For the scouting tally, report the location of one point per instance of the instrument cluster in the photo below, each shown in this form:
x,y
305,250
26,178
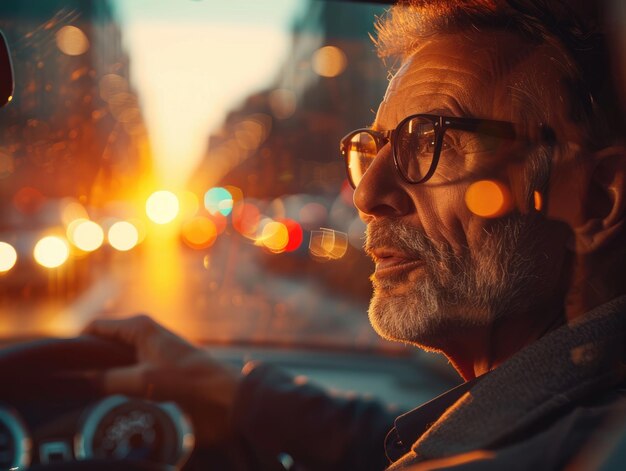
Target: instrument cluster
x,y
116,428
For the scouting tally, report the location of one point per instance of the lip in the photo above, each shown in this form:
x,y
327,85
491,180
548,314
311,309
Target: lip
x,y
389,262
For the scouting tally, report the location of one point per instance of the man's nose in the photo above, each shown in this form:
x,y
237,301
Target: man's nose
x,y
382,191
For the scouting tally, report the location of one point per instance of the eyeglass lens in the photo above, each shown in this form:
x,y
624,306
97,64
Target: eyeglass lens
x,y
414,150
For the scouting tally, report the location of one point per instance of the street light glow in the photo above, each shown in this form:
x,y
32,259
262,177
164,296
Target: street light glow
x,y
123,236
8,257
51,252
199,232
275,236
86,235
218,200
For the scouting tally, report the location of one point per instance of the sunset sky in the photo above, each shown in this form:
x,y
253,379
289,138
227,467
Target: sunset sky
x,y
192,61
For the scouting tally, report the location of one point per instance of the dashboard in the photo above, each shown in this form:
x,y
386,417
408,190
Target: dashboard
x,y
114,428
53,418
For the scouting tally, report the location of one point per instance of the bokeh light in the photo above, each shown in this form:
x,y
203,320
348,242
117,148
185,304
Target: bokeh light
x,y
246,218
123,236
276,209
218,200
51,251
329,61
295,234
111,85
235,193
162,207
72,41
274,237
488,198
249,134
328,244
220,222
282,102
199,232
538,200
72,211
86,235
125,107
8,257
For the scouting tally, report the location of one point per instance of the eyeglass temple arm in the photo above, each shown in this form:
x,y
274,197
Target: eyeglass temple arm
x,y
502,129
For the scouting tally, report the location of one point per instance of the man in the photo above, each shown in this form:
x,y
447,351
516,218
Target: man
x,y
493,187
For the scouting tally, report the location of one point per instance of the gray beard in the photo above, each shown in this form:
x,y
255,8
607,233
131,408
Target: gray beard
x,y
454,291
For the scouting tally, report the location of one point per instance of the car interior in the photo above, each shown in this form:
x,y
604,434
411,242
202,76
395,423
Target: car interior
x,y
181,159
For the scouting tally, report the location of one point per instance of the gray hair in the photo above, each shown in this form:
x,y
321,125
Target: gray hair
x,y
573,26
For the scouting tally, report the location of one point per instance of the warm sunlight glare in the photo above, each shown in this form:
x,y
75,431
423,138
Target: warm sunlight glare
x,y
162,207
189,204
192,62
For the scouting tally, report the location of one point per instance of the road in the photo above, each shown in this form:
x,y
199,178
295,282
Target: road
x,y
221,295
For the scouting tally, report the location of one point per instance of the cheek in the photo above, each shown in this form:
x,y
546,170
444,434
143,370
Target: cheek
x,y
444,217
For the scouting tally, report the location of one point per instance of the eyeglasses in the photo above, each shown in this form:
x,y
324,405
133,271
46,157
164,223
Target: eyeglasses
x,y
417,142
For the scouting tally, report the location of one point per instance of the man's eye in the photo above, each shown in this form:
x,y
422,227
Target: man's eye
x,y
430,145
447,144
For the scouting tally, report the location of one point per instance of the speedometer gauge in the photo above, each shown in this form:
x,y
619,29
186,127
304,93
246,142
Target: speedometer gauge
x,y
132,429
15,442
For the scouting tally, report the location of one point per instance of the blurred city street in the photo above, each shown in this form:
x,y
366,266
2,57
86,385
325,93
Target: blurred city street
x,y
118,175
222,295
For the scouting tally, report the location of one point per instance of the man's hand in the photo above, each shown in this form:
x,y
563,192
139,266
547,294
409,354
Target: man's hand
x,y
170,368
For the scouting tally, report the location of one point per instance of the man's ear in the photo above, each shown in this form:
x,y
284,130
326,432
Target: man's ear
x,y
604,205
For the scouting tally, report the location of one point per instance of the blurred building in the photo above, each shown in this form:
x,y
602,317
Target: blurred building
x,y
74,127
285,139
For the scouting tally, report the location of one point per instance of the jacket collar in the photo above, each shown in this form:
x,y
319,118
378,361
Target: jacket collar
x,y
553,372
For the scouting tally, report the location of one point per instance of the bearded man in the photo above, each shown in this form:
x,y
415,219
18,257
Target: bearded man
x,y
494,100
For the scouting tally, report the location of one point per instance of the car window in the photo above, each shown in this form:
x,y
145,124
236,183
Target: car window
x,y
181,158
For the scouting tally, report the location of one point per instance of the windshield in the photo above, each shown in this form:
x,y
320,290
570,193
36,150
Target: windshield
x,y
181,158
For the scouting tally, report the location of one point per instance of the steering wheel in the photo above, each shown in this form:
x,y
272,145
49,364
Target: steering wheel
x,y
51,365
78,353
42,370
50,370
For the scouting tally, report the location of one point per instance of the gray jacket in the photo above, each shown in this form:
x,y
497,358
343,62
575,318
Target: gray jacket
x,y
558,402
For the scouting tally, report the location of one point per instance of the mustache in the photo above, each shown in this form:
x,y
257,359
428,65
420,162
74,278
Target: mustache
x,y
394,234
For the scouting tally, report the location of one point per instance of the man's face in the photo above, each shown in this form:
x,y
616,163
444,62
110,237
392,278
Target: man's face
x,y
439,267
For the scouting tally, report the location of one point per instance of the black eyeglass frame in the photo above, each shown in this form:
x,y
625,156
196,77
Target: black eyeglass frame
x,y
542,134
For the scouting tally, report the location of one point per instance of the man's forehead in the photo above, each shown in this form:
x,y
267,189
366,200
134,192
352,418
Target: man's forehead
x,y
434,76
459,74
